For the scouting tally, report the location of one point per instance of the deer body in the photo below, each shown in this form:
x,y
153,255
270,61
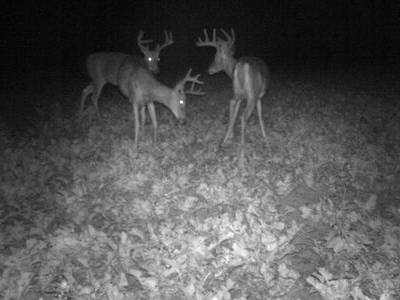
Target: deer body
x,y
140,86
250,79
134,77
103,67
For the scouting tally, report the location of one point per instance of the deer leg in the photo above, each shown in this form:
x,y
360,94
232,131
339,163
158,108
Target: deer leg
x,y
95,96
245,117
152,113
260,118
136,117
143,113
234,105
85,92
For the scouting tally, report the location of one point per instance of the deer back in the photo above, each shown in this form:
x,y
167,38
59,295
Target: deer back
x,y
104,66
250,75
128,73
135,79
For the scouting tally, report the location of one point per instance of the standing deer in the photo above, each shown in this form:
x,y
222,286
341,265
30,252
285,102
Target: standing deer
x,y
250,76
140,86
152,57
103,68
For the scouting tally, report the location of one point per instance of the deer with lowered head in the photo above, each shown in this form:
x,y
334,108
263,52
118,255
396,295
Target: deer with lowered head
x,y
140,86
103,68
135,78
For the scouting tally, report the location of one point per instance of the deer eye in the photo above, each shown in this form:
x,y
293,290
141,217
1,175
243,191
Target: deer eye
x,y
149,59
181,102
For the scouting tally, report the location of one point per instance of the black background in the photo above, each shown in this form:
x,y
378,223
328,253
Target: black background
x,y
322,34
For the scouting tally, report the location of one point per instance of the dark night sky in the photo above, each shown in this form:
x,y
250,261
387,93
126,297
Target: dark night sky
x,y
326,32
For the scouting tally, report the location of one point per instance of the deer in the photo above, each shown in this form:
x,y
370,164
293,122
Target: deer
x,y
152,57
140,86
250,79
103,68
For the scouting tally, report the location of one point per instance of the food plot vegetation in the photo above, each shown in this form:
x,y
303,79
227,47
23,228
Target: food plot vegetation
x,y
313,213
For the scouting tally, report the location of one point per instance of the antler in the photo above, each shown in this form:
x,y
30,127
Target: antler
x,y
207,41
192,91
168,41
230,39
141,43
193,79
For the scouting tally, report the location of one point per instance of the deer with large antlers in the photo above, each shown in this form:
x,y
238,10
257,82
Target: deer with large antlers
x,y
152,57
140,86
250,77
104,66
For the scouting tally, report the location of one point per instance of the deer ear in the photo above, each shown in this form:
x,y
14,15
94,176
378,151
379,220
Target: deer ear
x,y
179,88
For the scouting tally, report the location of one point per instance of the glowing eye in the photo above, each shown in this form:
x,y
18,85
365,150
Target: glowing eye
x,y
149,59
181,102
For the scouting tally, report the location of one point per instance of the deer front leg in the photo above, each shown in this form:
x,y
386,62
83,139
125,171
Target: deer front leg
x,y
152,113
136,117
85,93
95,96
143,113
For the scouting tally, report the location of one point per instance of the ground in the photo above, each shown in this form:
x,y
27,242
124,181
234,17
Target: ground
x,y
311,213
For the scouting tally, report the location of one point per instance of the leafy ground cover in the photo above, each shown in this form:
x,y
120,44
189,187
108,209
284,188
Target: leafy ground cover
x,y
314,213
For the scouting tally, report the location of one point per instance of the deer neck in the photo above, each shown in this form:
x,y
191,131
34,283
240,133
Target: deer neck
x,y
161,94
229,65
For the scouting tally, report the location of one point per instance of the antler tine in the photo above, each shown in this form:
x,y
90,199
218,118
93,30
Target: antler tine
x,y
192,78
230,40
141,42
192,91
199,41
168,40
140,35
207,41
233,35
168,36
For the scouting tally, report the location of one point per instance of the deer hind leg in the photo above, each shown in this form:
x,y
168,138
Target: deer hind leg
x,y
260,118
245,117
85,93
234,105
95,96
